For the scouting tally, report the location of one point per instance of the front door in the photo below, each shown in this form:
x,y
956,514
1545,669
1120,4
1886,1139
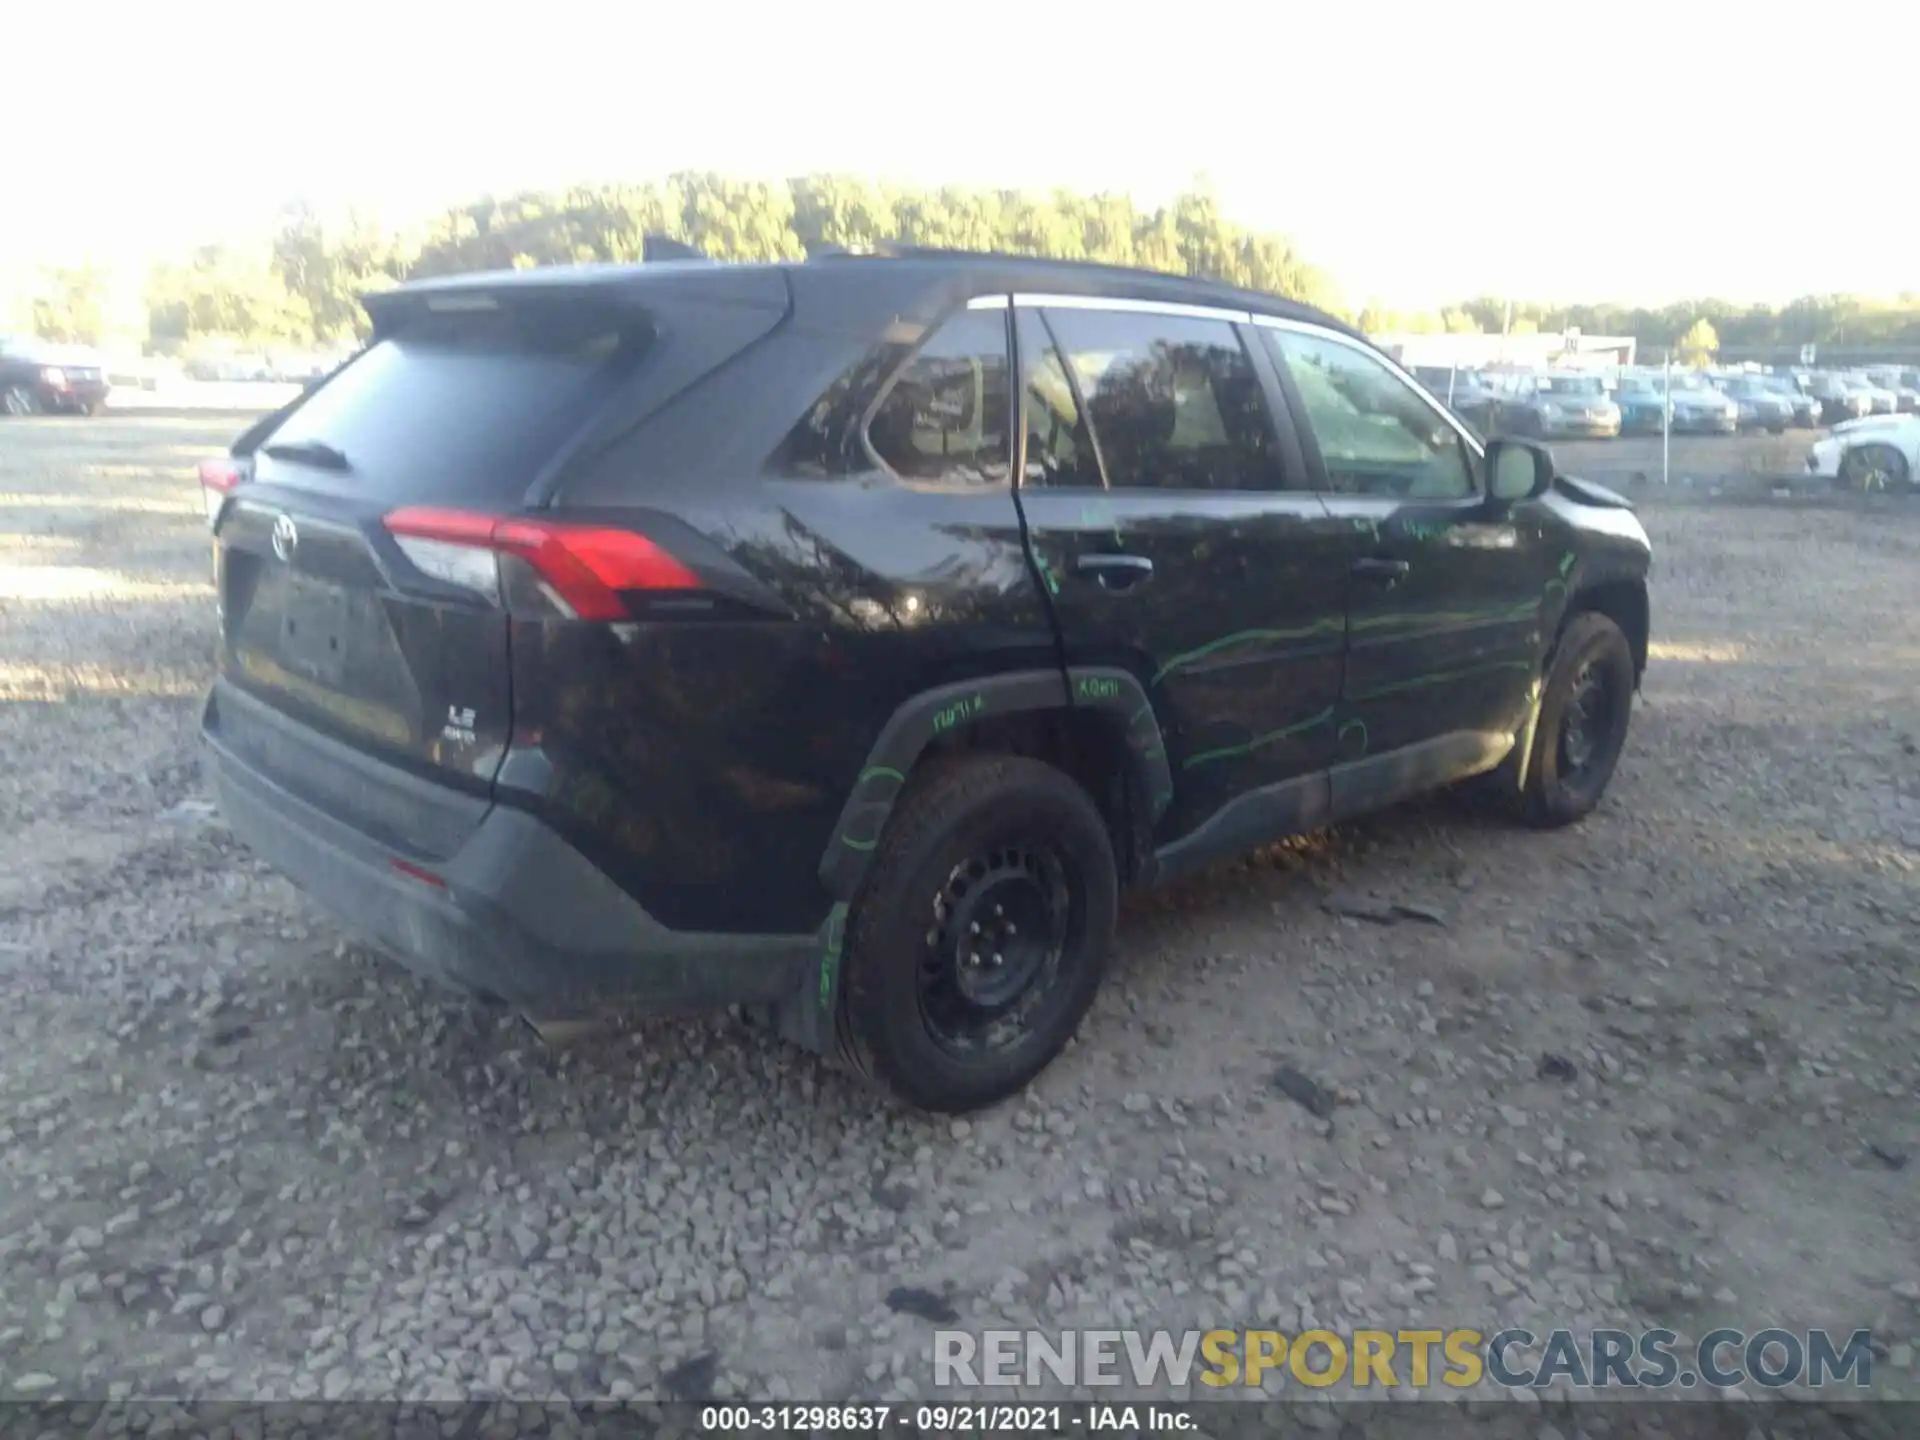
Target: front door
x,y
1446,596
1173,532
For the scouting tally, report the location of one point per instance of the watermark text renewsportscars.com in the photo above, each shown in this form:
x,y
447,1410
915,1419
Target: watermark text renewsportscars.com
x,y
1374,1360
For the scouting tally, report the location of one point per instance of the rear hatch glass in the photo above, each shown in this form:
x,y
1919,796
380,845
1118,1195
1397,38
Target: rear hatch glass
x,y
322,618
465,406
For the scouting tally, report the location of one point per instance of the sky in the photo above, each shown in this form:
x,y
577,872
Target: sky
x,y
1418,152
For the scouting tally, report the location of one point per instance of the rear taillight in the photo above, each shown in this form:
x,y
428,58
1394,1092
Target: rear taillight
x,y
580,569
218,480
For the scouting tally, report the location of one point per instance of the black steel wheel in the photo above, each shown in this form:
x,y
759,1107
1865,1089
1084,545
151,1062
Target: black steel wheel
x,y
1586,705
980,935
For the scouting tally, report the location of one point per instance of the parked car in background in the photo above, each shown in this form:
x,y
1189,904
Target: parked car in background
x,y
1699,409
1642,399
1564,405
1806,409
1476,397
1877,453
40,378
1761,407
1880,400
1902,383
1839,401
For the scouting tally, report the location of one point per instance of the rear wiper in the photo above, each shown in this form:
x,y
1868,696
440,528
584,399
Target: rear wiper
x,y
309,452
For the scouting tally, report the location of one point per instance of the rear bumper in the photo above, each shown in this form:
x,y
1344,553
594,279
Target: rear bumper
x,y
516,912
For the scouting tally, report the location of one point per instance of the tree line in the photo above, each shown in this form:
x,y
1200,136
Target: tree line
x,y
303,287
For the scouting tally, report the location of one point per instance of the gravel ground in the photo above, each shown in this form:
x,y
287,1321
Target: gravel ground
x,y
246,1158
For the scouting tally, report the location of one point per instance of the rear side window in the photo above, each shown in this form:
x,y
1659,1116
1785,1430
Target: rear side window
x,y
467,406
1173,401
944,417
1059,450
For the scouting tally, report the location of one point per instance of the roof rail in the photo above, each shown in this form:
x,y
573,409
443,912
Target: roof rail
x,y
655,248
901,250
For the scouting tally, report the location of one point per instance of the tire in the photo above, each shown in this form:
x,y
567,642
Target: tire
x,y
1556,792
1874,467
976,839
19,402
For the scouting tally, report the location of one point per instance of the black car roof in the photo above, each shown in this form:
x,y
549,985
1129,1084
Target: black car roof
x,y
832,290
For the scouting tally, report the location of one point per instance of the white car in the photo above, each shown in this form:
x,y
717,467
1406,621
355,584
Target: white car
x,y
1881,452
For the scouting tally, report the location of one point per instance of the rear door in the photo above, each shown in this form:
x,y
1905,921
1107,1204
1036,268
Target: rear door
x,y
327,616
1445,597
1171,526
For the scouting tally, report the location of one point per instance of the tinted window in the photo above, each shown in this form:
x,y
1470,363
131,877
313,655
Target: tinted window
x,y
1059,451
468,405
1377,435
945,416
1173,402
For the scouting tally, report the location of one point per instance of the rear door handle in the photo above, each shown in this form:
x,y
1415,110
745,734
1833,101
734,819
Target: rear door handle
x,y
1375,568
1115,572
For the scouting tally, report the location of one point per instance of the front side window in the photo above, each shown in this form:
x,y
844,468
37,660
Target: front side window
x,y
1173,401
1377,435
944,418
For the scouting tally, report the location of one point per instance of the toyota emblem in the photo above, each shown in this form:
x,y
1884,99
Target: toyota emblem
x,y
286,538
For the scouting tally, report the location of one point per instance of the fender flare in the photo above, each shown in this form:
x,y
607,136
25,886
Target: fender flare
x,y
951,709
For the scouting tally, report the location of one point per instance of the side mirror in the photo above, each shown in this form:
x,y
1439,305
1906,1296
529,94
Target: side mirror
x,y
1518,470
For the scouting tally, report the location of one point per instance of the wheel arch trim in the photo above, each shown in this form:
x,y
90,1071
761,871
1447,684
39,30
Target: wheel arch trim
x,y
955,708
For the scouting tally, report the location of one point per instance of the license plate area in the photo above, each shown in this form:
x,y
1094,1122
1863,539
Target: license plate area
x,y
317,625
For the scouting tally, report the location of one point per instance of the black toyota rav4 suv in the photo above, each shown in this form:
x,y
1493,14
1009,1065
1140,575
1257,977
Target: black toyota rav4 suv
x,y
840,637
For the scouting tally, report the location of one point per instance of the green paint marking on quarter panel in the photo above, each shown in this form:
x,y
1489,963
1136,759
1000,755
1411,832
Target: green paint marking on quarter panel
x,y
1566,562
1226,752
853,844
1340,735
887,770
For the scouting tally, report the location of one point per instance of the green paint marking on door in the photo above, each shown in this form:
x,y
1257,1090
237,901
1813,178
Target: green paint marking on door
x,y
1519,610
1566,562
853,844
1441,677
830,957
1246,637
1046,571
1227,752
1340,735
880,770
